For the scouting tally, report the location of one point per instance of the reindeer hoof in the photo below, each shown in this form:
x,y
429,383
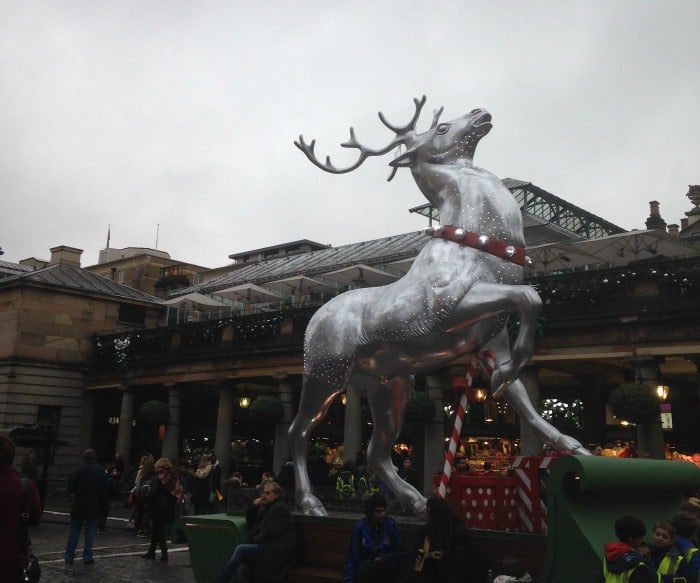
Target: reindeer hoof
x,y
419,506
316,511
568,443
311,506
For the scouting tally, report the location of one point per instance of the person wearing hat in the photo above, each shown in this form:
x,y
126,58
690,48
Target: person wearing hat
x,y
89,489
375,552
12,551
511,571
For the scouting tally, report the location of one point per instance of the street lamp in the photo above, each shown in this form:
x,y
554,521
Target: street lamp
x,y
662,392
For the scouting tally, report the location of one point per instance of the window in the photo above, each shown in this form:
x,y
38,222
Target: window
x,y
132,314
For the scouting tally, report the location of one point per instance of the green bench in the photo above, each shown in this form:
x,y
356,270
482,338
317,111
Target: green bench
x,y
211,539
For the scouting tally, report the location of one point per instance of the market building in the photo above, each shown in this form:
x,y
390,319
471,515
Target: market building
x,y
122,370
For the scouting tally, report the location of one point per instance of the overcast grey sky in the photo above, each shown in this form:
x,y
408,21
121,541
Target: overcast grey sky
x,y
183,114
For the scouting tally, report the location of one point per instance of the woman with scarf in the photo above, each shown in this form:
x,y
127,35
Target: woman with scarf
x,y
165,493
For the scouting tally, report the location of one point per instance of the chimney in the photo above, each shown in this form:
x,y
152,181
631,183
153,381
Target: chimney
x,y
694,196
64,255
655,221
673,230
684,224
34,263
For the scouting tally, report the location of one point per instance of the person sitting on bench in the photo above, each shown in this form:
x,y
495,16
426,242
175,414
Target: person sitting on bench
x,y
270,555
375,551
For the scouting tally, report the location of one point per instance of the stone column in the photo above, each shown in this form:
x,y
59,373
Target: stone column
x,y
87,424
530,444
281,451
433,445
352,434
126,424
650,436
696,361
171,440
593,408
224,426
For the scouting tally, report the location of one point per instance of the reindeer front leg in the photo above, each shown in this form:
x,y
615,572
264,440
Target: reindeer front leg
x,y
516,395
486,300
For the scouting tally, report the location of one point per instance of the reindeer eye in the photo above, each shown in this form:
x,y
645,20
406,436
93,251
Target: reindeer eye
x,y
443,128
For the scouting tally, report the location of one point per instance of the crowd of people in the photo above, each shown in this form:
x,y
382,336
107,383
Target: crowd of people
x,y
672,556
438,551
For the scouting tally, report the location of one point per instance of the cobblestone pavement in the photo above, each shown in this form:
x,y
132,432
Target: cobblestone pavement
x,y
117,552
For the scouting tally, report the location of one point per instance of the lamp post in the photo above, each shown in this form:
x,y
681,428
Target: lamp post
x,y
662,392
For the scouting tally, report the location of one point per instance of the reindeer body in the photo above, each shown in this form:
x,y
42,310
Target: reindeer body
x,y
453,301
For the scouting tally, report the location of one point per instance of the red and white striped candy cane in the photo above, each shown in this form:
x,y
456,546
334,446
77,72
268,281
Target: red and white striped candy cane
x,y
486,358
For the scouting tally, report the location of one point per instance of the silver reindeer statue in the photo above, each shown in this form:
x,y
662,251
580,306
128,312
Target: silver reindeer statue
x,y
453,301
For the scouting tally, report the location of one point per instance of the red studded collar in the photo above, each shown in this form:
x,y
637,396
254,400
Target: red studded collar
x,y
485,243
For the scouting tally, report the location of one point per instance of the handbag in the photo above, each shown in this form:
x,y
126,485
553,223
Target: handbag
x,y
31,570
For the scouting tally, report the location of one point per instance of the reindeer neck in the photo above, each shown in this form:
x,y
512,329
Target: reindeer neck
x,y
472,198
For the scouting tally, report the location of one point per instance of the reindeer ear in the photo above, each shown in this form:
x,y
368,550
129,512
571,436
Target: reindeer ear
x,y
405,160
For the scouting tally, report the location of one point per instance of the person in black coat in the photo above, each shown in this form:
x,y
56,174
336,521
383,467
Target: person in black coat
x,y
442,554
165,494
88,485
270,555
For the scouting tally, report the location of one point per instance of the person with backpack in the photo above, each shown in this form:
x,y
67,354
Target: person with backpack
x,y
13,544
139,516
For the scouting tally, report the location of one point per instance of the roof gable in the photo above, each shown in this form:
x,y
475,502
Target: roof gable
x,y
70,277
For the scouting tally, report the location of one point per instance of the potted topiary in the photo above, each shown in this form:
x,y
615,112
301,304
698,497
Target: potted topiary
x,y
420,408
634,402
154,413
267,409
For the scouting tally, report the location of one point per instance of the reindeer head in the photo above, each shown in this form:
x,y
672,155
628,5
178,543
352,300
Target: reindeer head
x,y
446,142
442,143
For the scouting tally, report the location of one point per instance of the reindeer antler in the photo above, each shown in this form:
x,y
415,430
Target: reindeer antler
x,y
402,133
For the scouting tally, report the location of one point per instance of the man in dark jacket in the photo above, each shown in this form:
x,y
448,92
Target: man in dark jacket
x,y
11,548
88,485
270,556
